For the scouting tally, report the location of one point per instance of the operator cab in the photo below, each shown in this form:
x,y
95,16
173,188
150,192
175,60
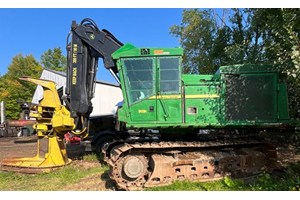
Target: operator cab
x,y
150,77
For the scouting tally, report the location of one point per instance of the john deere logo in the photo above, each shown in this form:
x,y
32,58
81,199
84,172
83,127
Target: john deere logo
x,y
92,36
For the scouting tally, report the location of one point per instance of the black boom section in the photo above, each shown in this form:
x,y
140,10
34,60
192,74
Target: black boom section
x,y
80,80
87,45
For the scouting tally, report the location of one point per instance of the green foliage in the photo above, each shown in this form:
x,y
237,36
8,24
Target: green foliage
x,y
12,89
209,44
231,183
196,33
280,30
54,59
288,181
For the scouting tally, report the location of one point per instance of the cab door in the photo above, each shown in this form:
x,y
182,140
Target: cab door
x,y
169,98
139,76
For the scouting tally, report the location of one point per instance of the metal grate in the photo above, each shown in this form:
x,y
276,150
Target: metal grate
x,y
250,97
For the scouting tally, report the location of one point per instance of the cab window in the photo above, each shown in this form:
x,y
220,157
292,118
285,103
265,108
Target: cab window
x,y
169,74
139,78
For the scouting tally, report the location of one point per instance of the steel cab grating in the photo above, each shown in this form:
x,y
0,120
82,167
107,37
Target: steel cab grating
x,y
250,97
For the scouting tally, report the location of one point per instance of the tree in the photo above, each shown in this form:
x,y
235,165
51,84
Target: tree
x,y
12,89
281,45
54,59
208,41
265,36
197,33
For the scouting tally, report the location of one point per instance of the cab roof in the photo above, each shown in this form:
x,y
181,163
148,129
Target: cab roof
x,y
128,50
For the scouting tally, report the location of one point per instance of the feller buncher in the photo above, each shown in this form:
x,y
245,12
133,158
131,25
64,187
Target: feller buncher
x,y
171,126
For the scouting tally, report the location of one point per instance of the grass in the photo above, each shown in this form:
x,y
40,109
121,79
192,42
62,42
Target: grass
x,y
90,157
55,181
288,180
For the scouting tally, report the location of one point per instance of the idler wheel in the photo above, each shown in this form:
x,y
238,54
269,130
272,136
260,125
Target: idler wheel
x,y
131,172
134,166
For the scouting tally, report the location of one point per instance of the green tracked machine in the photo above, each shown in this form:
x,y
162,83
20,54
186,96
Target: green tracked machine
x,y
208,125
174,126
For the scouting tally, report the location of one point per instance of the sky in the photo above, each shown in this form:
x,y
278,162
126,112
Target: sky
x,y
34,31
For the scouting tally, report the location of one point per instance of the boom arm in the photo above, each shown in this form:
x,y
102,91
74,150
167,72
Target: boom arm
x,y
87,45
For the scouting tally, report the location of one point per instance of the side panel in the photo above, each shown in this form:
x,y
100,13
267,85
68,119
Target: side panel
x,y
202,105
144,110
169,109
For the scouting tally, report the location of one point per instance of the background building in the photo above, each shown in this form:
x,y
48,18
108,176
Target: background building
x,y
107,95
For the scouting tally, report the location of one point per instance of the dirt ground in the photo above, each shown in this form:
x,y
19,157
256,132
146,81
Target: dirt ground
x,y
9,149
27,148
98,182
